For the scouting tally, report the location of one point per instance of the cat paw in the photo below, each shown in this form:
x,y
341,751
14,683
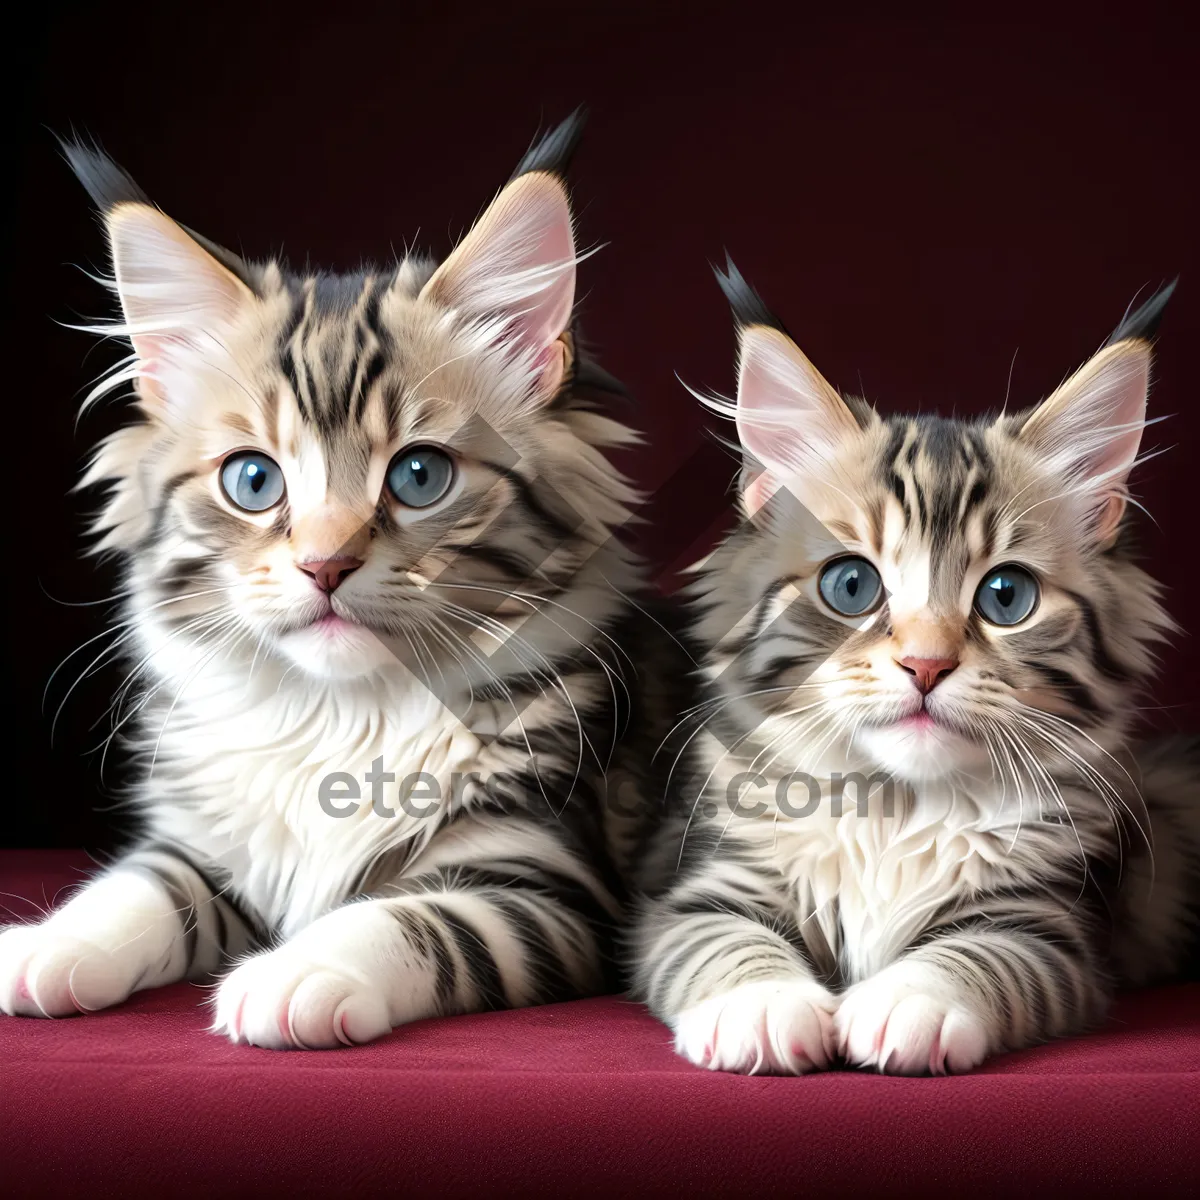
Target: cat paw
x,y
284,1000
48,974
901,1024
774,1027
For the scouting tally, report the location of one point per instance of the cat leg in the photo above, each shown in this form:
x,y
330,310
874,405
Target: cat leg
x,y
498,914
151,919
714,964
995,982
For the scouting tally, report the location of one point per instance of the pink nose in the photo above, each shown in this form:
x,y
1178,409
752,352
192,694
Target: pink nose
x,y
927,673
330,574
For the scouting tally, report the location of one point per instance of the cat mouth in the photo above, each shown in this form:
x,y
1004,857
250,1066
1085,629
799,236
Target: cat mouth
x,y
926,724
330,621
921,721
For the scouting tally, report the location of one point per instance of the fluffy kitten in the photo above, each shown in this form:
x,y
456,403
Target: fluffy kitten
x,y
372,599
940,618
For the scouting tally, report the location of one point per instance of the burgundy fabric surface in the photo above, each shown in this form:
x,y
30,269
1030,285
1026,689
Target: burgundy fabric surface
x,y
569,1099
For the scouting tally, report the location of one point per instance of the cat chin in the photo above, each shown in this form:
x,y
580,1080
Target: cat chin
x,y
919,757
349,652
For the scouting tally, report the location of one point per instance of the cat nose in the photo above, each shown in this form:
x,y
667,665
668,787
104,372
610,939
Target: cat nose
x,y
329,574
927,673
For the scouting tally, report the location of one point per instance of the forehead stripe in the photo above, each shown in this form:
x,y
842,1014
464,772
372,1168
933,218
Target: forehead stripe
x,y
291,363
370,339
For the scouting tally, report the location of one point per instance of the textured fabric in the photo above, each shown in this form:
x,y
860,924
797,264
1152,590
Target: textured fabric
x,y
569,1099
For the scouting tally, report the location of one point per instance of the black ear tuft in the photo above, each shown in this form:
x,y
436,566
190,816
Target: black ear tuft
x,y
747,304
1143,322
552,152
109,185
106,183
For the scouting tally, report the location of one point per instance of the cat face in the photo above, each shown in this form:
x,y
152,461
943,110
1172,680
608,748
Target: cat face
x,y
335,470
950,596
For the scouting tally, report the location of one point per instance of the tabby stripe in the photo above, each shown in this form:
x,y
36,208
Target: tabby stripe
x,y
776,667
432,943
481,966
506,562
292,358
1100,655
366,375
1073,689
552,980
217,883
526,495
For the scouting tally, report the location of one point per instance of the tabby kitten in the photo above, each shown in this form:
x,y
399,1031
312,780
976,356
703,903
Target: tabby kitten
x,y
941,620
371,589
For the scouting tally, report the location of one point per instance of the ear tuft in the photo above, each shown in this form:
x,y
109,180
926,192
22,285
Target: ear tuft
x,y
1144,321
108,184
553,151
748,306
104,181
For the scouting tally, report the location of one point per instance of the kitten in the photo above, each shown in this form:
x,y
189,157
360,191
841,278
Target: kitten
x,y
373,601
910,796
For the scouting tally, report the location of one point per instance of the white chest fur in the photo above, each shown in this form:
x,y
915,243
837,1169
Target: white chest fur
x,y
240,768
870,882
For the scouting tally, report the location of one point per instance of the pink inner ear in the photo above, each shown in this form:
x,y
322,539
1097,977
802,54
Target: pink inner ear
x,y
147,384
517,264
788,416
551,313
1108,517
758,492
550,365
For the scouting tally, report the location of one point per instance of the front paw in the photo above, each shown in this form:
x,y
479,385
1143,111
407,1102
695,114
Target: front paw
x,y
48,974
284,1000
774,1027
911,1021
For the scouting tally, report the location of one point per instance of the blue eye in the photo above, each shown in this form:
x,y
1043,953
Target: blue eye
x,y
1007,596
252,481
420,476
850,586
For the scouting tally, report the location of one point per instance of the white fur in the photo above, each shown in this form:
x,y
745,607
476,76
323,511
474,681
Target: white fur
x,y
117,934
781,1027
908,1020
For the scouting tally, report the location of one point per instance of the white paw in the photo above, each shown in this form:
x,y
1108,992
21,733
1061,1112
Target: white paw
x,y
910,1022
776,1027
283,999
48,974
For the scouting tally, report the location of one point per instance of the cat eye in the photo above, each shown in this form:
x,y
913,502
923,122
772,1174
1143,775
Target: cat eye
x,y
252,481
850,586
420,475
1007,596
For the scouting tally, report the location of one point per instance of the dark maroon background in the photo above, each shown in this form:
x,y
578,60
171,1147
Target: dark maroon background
x,y
918,199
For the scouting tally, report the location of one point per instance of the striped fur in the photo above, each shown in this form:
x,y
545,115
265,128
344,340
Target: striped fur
x,y
954,894
479,643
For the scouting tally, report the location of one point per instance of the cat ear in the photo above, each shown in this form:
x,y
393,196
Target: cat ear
x,y
1089,431
516,267
178,291
175,295
788,417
